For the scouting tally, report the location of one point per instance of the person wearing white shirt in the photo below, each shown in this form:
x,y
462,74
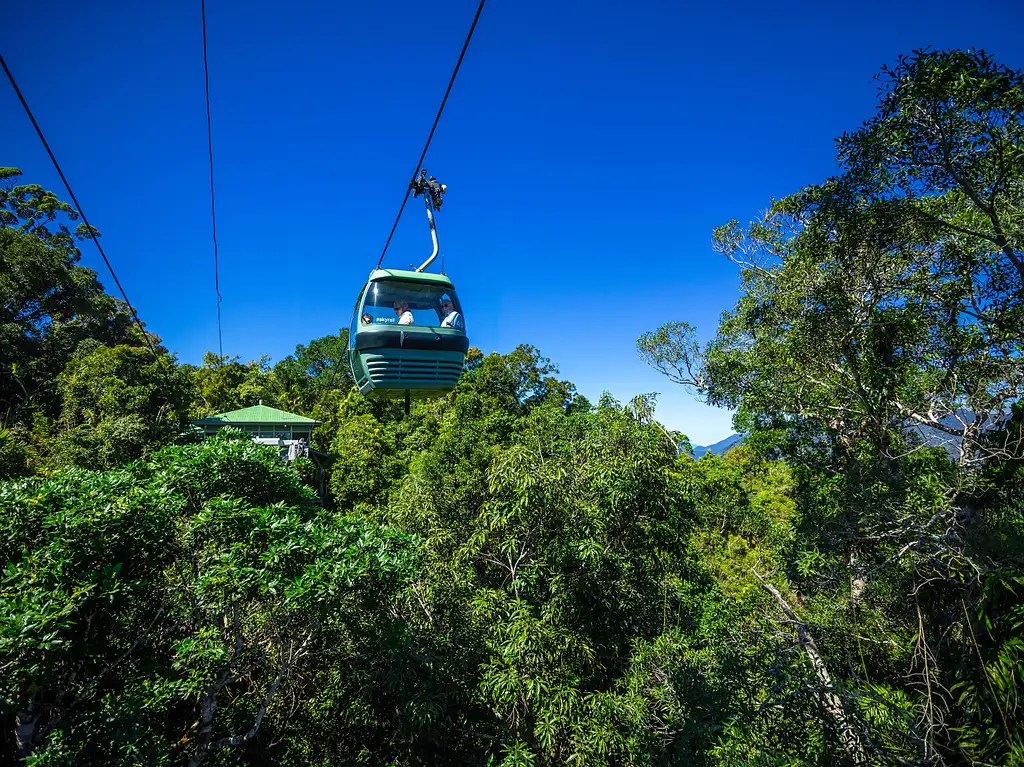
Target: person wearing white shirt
x,y
452,319
404,315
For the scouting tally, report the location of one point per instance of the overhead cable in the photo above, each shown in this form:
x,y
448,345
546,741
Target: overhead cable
x,y
213,197
437,119
78,207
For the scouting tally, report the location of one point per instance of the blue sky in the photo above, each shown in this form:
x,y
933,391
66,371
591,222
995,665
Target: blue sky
x,y
589,149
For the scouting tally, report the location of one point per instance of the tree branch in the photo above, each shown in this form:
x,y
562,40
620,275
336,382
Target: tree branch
x,y
831,702
286,661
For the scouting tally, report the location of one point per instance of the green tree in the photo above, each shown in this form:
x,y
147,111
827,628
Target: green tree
x,y
117,403
365,462
224,384
13,458
546,620
176,610
306,377
48,303
881,314
945,148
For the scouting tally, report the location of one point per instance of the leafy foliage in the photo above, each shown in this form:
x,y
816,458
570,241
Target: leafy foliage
x,y
117,402
877,346
159,610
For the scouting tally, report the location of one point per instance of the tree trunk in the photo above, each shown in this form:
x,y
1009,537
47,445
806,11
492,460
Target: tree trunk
x,y
829,700
207,709
25,725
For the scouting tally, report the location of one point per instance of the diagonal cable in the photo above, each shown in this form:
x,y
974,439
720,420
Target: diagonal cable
x,y
437,119
213,197
88,226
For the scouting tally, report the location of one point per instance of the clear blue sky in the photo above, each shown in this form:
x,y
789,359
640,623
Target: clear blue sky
x,y
589,148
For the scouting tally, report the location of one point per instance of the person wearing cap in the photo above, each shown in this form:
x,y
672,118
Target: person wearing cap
x,y
452,319
404,315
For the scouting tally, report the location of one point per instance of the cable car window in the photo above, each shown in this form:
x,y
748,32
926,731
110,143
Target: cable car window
x,y
387,301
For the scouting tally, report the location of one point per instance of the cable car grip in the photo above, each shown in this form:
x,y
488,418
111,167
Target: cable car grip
x,y
432,190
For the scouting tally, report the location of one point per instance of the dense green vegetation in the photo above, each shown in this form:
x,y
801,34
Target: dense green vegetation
x,y
514,575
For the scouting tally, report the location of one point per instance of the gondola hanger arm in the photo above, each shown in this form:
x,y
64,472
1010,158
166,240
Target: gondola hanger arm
x,y
432,191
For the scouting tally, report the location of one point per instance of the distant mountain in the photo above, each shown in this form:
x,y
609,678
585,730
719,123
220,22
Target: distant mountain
x,y
930,436
719,448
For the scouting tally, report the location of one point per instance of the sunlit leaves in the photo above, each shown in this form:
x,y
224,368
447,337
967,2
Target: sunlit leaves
x,y
877,347
194,581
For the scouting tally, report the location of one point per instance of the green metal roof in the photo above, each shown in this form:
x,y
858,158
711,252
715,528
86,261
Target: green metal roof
x,y
255,414
406,274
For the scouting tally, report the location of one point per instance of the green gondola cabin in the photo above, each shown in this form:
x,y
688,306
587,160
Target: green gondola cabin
x,y
408,336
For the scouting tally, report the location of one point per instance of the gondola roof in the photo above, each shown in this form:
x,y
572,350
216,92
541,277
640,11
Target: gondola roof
x,y
410,276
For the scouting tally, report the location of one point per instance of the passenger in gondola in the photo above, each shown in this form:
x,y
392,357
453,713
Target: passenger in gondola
x,y
452,319
404,315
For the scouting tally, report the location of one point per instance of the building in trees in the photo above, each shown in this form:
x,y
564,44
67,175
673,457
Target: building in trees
x,y
264,423
271,426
